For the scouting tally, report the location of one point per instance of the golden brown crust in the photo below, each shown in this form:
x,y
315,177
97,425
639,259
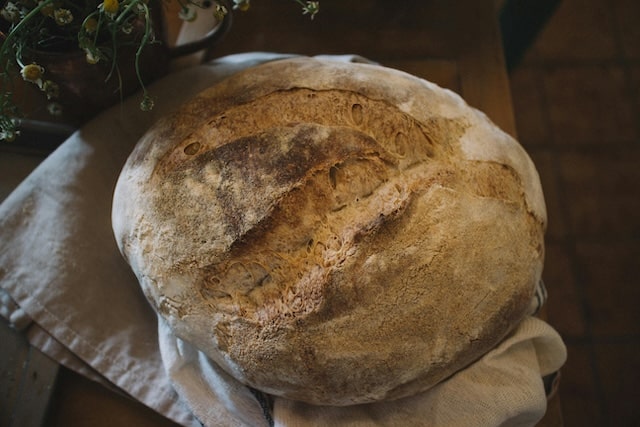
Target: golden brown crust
x,y
333,233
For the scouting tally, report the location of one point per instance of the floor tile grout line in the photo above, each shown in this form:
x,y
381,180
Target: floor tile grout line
x,y
623,62
634,92
570,247
617,35
550,64
617,32
601,340
626,63
635,98
573,238
604,338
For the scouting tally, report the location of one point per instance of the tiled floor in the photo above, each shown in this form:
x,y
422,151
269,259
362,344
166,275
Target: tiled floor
x,y
577,106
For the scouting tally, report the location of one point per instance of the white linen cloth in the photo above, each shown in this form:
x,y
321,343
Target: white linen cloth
x,y
64,282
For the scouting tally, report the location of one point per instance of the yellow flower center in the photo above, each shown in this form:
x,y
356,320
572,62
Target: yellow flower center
x,y
111,6
32,72
62,16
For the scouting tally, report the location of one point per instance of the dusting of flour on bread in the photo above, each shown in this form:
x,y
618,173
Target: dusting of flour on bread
x,y
334,233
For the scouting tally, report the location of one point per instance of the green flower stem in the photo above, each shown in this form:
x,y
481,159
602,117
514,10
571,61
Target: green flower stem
x,y
8,41
108,28
7,109
124,14
143,43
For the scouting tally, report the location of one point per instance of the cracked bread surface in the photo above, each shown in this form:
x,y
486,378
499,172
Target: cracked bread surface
x,y
331,232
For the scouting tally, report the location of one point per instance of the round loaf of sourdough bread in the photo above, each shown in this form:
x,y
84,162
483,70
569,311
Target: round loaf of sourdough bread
x,y
330,232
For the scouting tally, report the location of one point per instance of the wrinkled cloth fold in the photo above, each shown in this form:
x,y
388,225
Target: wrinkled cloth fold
x,y
503,388
64,283
63,279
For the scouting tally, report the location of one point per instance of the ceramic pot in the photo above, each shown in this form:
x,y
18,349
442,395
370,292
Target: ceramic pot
x,y
86,89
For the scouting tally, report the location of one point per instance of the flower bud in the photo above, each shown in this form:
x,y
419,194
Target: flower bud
x,y
32,73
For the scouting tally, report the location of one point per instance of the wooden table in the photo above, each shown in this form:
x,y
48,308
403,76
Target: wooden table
x,y
455,44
